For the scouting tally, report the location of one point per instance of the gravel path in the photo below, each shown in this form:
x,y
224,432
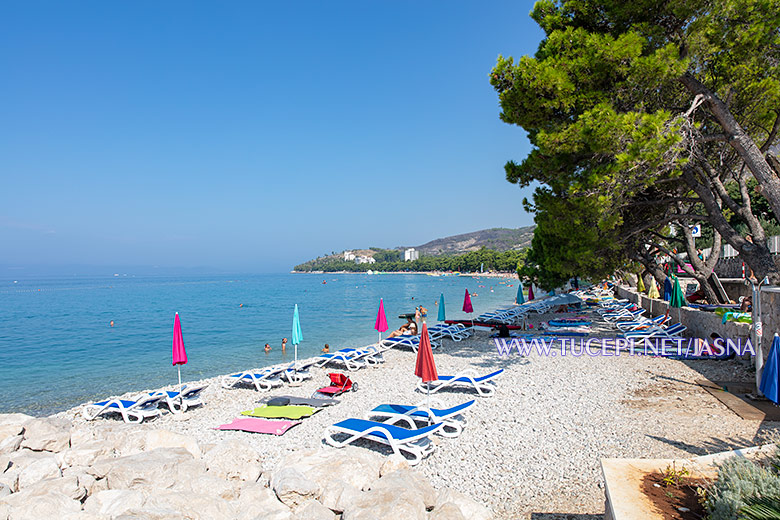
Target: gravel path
x,y
535,446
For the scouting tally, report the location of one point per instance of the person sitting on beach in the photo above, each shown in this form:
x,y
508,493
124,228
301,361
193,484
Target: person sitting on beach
x,y
407,329
747,304
267,347
326,348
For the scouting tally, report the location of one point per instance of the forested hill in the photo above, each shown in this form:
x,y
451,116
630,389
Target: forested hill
x,y
497,239
497,248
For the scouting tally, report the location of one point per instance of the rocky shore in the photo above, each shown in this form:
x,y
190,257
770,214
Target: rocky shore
x,y
532,450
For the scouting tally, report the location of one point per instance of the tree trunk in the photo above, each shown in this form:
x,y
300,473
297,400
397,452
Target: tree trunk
x,y
740,141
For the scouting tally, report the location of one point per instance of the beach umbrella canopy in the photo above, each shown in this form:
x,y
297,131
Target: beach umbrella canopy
x,y
530,292
677,298
425,367
667,289
381,319
520,299
467,303
770,386
653,291
179,352
640,284
297,335
442,313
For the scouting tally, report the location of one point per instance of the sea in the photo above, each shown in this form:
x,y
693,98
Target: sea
x,y
59,348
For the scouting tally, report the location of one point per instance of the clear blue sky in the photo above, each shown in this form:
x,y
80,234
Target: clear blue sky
x,y
250,136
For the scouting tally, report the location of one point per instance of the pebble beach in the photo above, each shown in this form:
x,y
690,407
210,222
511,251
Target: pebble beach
x,y
531,450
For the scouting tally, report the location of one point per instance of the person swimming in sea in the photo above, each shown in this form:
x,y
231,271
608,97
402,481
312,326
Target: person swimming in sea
x,y
267,348
284,344
326,348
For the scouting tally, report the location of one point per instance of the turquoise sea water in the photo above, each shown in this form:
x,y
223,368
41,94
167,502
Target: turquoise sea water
x,y
58,350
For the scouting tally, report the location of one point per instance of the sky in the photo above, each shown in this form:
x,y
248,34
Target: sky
x,y
251,136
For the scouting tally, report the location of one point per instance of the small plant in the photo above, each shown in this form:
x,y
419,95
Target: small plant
x,y
672,477
740,483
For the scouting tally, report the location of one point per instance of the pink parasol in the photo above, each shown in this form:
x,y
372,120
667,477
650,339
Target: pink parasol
x,y
467,303
381,319
179,353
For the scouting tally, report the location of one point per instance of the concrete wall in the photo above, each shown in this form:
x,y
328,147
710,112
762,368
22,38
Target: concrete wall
x,y
700,323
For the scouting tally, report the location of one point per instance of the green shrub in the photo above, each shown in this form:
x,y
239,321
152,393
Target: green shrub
x,y
739,481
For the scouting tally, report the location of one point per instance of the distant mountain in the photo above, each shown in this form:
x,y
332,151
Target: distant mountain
x,y
498,239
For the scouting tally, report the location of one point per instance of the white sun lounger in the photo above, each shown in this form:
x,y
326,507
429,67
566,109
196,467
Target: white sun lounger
x,y
262,381
409,416
484,385
417,443
132,411
188,397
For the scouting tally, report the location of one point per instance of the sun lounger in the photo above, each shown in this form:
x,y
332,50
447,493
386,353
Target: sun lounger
x,y
409,416
302,401
132,411
408,341
281,412
642,323
670,332
456,331
262,381
259,426
417,443
339,383
353,359
296,374
482,384
188,397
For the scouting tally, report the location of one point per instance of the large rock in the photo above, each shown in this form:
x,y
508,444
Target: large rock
x,y
257,501
24,505
358,468
313,510
337,494
292,487
408,481
448,511
468,507
68,486
393,463
386,503
217,488
41,469
47,434
190,505
85,454
233,460
12,424
114,502
160,468
167,439
10,444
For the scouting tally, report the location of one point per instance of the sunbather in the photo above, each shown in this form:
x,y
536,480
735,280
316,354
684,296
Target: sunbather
x,y
407,329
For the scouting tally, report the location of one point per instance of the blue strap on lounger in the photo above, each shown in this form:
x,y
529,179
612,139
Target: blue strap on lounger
x,y
403,409
396,432
467,380
125,403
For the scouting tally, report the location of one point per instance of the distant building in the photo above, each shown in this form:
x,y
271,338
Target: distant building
x,y
364,260
349,256
411,255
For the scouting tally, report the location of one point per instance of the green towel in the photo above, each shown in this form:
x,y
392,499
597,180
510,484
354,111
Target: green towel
x,y
281,412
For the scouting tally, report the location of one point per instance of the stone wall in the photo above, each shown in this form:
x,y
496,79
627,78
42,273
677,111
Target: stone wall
x,y
700,323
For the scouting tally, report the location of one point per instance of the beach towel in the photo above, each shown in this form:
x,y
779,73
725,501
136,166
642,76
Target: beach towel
x,y
297,401
281,412
259,426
